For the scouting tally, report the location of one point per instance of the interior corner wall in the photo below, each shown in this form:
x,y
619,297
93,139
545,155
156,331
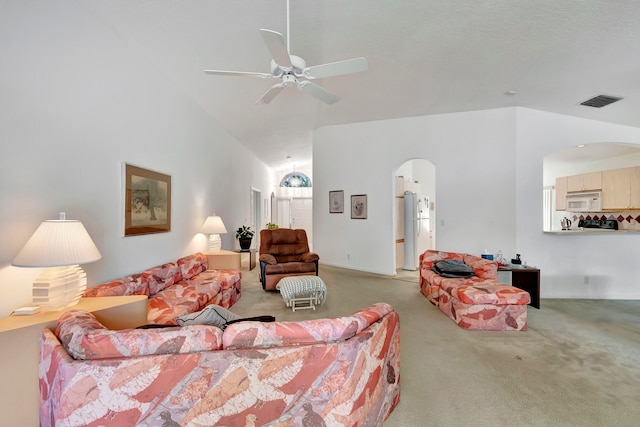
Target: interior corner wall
x,y
78,101
601,266
473,153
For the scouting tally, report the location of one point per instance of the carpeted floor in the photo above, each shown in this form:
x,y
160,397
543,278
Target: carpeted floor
x,y
577,365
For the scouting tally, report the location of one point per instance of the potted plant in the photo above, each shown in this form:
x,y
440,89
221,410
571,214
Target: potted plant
x,y
244,235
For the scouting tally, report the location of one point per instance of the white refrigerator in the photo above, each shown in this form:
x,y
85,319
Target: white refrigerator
x,y
416,229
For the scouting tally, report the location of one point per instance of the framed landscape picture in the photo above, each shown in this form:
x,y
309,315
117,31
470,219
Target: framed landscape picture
x,y
336,201
147,201
359,206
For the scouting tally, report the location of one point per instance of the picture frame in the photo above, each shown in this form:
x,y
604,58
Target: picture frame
x,y
359,206
147,201
336,201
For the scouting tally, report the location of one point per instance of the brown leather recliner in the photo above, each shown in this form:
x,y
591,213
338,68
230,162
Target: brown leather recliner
x,y
285,252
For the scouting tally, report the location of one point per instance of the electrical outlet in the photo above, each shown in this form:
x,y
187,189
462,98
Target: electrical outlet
x,y
348,256
586,280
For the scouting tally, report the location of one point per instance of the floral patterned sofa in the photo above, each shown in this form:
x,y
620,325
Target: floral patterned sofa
x,y
176,288
479,302
341,371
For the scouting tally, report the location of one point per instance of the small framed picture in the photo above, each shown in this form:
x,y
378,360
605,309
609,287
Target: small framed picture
x,y
336,201
359,206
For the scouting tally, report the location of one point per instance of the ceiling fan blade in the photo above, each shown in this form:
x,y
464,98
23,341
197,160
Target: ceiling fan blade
x,y
278,48
318,92
349,66
239,73
268,96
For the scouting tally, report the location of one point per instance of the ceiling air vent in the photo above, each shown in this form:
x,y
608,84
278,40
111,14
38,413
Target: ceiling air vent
x,y
600,101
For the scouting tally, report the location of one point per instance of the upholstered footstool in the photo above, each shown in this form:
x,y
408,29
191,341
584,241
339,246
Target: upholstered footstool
x,y
300,292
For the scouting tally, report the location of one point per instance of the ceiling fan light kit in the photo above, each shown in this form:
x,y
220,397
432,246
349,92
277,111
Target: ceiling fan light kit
x,y
293,70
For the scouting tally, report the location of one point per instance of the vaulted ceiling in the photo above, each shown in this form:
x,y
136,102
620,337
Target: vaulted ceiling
x,y
425,57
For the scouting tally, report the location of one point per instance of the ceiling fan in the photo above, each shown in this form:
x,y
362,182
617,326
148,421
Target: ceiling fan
x,y
292,70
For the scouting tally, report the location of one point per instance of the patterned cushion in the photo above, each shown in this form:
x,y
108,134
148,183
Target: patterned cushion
x,y
492,293
161,277
192,265
262,335
171,303
84,337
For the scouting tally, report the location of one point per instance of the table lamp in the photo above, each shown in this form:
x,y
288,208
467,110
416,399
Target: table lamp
x,y
214,227
59,246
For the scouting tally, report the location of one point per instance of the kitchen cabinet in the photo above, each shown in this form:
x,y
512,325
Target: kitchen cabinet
x,y
621,188
584,182
561,193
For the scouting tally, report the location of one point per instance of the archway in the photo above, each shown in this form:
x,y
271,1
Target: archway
x,y
414,212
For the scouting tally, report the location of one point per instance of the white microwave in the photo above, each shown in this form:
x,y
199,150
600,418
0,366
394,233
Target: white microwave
x,y
584,202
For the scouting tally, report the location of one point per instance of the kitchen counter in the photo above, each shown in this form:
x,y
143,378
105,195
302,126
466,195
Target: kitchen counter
x,y
591,231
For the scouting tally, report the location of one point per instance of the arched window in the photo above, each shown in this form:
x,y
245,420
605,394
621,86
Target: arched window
x,y
295,179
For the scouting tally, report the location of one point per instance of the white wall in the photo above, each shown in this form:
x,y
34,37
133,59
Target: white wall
x,y
608,261
473,155
489,179
76,101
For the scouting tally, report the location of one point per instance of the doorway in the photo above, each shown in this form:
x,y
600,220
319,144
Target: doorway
x,y
414,212
295,212
256,216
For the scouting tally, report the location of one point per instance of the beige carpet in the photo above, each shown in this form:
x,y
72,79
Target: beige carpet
x,y
577,365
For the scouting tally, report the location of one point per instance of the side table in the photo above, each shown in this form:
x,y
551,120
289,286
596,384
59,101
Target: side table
x,y
252,256
525,278
223,260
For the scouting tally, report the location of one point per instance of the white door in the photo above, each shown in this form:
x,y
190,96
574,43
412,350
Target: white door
x,y
282,215
302,216
256,212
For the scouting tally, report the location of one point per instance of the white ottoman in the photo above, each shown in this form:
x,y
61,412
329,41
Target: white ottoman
x,y
300,292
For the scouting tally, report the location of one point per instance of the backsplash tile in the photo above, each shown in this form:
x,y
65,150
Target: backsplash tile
x,y
626,220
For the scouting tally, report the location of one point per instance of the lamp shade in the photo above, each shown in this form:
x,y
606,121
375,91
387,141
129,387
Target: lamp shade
x,y
213,225
58,243
59,246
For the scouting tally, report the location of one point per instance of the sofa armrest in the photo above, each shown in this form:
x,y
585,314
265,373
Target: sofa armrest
x,y
483,268
128,285
84,337
268,258
309,257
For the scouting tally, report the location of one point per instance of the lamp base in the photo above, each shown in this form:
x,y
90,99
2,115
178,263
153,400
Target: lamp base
x,y
215,244
59,287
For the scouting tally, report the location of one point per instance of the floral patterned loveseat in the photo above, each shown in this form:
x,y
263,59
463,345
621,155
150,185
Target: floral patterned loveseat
x,y
341,371
479,302
176,288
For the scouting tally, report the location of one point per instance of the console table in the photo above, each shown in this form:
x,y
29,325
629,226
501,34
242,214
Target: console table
x,y
223,260
19,349
525,278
